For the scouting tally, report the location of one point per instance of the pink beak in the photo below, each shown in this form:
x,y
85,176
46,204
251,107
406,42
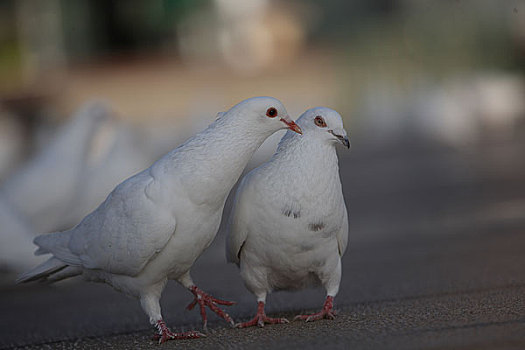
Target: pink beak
x,y
292,126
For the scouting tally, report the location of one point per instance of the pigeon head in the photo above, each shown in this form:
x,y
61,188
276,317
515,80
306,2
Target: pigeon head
x,y
268,113
324,124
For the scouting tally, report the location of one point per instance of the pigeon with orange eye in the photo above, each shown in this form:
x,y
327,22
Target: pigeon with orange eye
x,y
340,134
289,224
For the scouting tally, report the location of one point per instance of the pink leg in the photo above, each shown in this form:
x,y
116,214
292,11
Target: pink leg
x,y
260,318
204,299
166,334
326,312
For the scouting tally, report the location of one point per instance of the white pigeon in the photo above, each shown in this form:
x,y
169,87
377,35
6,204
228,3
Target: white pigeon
x,y
153,226
289,225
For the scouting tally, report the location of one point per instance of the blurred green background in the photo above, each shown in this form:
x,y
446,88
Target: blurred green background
x,y
331,52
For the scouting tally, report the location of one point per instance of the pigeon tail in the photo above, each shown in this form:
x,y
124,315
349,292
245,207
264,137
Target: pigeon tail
x,y
42,271
56,267
68,271
57,244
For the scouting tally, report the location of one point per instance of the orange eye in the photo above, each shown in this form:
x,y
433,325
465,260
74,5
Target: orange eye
x,y
271,112
319,121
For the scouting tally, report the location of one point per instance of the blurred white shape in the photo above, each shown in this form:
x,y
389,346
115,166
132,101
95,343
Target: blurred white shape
x,y
117,153
11,143
384,112
462,112
458,112
500,102
44,189
16,241
248,36
253,35
246,43
447,114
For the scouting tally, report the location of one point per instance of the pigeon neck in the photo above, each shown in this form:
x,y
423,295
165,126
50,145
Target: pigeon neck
x,y
310,163
304,151
212,161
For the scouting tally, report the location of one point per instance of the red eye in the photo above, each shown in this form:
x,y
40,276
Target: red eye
x,y
319,121
271,112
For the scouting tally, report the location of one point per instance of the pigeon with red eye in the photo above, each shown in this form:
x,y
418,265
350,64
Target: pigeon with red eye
x,y
289,226
154,225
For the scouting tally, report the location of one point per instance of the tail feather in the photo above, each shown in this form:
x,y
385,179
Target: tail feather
x,y
42,271
41,251
68,271
57,244
62,264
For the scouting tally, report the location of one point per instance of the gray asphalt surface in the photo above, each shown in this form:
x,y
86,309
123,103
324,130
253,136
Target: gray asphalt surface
x,y
435,260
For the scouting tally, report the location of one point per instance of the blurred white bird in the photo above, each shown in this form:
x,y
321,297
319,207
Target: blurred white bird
x,y
289,225
44,189
12,142
153,226
16,241
117,152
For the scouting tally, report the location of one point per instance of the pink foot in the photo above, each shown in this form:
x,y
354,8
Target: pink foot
x,y
260,318
204,299
166,334
326,312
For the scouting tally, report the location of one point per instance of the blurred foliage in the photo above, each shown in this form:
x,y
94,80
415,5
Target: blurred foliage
x,y
113,27
10,54
397,38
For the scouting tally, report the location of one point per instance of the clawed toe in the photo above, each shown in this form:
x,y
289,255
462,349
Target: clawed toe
x,y
326,312
298,317
165,336
260,320
203,299
164,333
190,335
315,317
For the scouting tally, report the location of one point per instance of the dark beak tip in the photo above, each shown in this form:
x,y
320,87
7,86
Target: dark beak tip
x,y
293,126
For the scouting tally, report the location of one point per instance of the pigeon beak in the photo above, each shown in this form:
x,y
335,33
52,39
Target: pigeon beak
x,y
291,125
346,142
342,138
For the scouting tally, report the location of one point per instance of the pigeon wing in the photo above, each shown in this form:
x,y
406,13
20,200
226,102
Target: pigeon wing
x,y
238,231
342,235
126,231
